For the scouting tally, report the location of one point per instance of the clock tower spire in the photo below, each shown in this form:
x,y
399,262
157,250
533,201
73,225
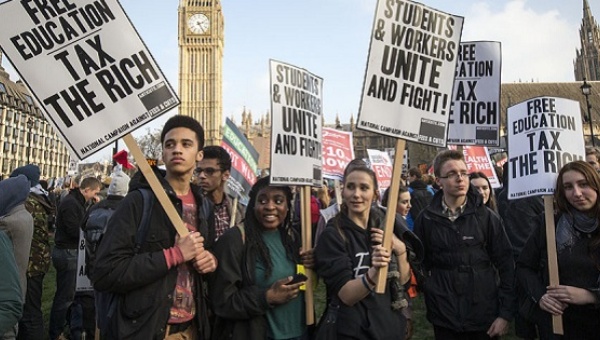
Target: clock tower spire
x,y
201,42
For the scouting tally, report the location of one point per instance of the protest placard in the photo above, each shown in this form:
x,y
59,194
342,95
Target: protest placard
x,y
382,166
296,133
83,283
244,160
87,68
338,151
407,89
544,133
475,114
478,160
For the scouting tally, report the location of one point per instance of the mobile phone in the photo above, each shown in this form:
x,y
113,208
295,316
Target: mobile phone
x,y
297,279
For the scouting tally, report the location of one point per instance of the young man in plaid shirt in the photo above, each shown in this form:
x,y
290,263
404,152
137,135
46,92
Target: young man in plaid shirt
x,y
212,173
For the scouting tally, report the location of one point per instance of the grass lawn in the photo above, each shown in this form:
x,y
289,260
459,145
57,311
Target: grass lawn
x,y
423,329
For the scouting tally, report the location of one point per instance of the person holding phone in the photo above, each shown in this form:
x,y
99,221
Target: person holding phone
x,y
254,291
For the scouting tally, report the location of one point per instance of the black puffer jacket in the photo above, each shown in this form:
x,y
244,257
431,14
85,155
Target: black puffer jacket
x,y
463,261
143,280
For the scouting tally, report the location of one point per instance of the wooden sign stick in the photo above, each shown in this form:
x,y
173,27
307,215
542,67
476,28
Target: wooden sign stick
x,y
557,325
233,210
157,188
338,192
307,245
390,215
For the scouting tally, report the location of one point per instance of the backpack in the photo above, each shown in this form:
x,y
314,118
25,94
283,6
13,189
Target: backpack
x,y
107,302
93,229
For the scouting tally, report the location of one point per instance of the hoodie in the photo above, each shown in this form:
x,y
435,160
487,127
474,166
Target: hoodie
x,y
14,192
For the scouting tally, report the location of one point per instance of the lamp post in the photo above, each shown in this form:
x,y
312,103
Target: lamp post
x,y
29,127
586,90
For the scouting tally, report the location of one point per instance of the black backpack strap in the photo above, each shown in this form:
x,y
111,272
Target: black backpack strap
x,y
142,230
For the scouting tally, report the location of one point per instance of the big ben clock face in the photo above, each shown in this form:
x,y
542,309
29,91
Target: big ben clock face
x,y
198,23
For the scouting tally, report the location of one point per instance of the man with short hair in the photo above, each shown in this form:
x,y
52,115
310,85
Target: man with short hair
x,y
161,281
592,156
70,213
212,173
468,266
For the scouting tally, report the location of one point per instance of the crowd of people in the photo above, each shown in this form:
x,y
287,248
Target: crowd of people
x,y
478,259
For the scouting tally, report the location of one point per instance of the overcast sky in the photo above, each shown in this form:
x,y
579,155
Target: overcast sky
x,y
331,38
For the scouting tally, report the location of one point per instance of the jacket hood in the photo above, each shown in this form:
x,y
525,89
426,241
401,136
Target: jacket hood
x,y
474,200
139,181
377,217
43,201
14,192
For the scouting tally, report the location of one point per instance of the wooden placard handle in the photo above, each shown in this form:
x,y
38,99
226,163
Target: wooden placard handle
x,y
557,325
390,214
157,188
307,245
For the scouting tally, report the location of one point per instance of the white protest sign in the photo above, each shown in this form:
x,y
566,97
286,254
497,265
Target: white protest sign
x,y
382,166
296,132
475,114
87,68
544,134
83,283
338,151
72,167
407,88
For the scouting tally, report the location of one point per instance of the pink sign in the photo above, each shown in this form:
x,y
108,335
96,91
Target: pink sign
x,y
478,160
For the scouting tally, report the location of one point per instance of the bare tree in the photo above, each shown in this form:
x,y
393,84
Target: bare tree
x,y
150,144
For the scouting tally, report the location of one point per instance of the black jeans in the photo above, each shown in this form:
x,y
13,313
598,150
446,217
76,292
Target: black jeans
x,y
31,325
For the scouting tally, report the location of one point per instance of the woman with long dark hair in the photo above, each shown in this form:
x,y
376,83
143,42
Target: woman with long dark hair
x,y
251,290
576,298
482,183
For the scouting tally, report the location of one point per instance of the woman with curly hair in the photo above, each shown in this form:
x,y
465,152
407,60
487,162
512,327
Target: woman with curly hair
x,y
577,297
251,290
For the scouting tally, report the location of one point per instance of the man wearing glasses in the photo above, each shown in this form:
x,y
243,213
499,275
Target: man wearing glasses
x,y
468,266
212,173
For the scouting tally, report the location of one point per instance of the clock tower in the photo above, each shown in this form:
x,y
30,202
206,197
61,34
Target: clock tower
x,y
201,44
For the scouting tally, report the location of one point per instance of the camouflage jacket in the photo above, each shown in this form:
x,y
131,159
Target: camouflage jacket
x,y
41,209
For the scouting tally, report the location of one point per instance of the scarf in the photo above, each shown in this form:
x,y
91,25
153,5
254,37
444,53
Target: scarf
x,y
570,226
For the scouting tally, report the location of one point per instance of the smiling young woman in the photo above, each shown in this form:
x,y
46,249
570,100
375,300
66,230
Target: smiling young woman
x,y
252,293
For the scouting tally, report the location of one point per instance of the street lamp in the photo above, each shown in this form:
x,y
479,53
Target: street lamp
x,y
586,90
29,127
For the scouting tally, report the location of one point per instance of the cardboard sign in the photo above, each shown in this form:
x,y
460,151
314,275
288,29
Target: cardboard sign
x,y
338,151
544,133
407,89
475,114
87,68
296,134
244,160
83,283
382,166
